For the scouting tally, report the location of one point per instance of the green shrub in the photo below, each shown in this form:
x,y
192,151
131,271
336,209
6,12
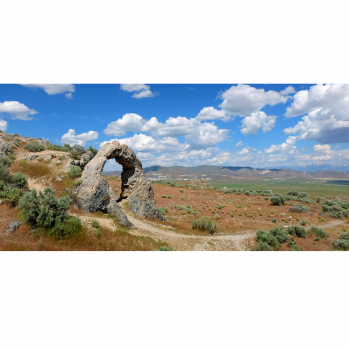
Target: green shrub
x,y
342,244
163,210
297,231
74,154
181,190
94,151
280,234
274,220
262,246
204,223
95,224
74,171
277,200
10,194
333,208
70,227
303,222
168,196
270,239
79,182
20,180
296,248
299,208
66,148
45,211
164,248
34,147
5,161
266,198
163,196
318,232
62,157
98,233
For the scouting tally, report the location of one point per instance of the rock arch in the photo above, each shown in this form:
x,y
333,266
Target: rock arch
x,y
94,193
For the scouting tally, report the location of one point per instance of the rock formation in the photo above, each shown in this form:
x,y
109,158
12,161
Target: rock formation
x,y
199,182
8,142
85,159
94,193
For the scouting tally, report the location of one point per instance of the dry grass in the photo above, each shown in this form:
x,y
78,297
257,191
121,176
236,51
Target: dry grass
x,y
31,169
62,186
118,239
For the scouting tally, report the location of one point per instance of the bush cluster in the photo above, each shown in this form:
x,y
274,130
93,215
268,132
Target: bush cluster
x,y
12,187
335,208
276,236
342,244
56,147
299,208
277,200
34,147
74,171
49,213
318,232
205,223
297,231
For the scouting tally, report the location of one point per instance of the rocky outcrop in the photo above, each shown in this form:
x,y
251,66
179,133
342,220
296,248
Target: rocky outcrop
x,y
94,193
84,160
8,142
199,182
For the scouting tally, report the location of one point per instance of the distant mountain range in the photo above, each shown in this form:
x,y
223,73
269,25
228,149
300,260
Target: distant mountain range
x,y
315,168
226,173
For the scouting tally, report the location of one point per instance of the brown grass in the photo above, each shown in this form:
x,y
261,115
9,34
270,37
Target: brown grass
x,y
32,169
22,239
60,187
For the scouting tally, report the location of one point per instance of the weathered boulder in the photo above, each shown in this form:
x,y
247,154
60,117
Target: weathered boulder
x,y
94,193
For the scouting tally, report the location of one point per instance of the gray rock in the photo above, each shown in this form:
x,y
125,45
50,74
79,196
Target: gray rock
x,y
48,158
31,157
94,193
59,162
14,225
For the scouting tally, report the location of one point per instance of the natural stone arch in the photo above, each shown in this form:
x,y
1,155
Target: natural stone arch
x,y
95,194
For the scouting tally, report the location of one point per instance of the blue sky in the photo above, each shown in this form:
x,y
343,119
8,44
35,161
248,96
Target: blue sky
x,y
256,125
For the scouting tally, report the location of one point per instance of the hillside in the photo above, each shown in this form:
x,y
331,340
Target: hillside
x,y
226,173
197,218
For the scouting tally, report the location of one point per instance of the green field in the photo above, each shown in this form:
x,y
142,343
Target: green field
x,y
313,188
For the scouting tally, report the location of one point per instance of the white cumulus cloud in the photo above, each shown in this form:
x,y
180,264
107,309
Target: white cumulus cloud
x,y
288,91
239,144
210,113
327,113
243,100
250,125
287,146
72,138
198,135
17,110
140,90
3,125
147,144
54,89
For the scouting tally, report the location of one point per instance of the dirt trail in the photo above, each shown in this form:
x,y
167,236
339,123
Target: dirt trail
x,y
328,225
237,242
183,242
32,184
